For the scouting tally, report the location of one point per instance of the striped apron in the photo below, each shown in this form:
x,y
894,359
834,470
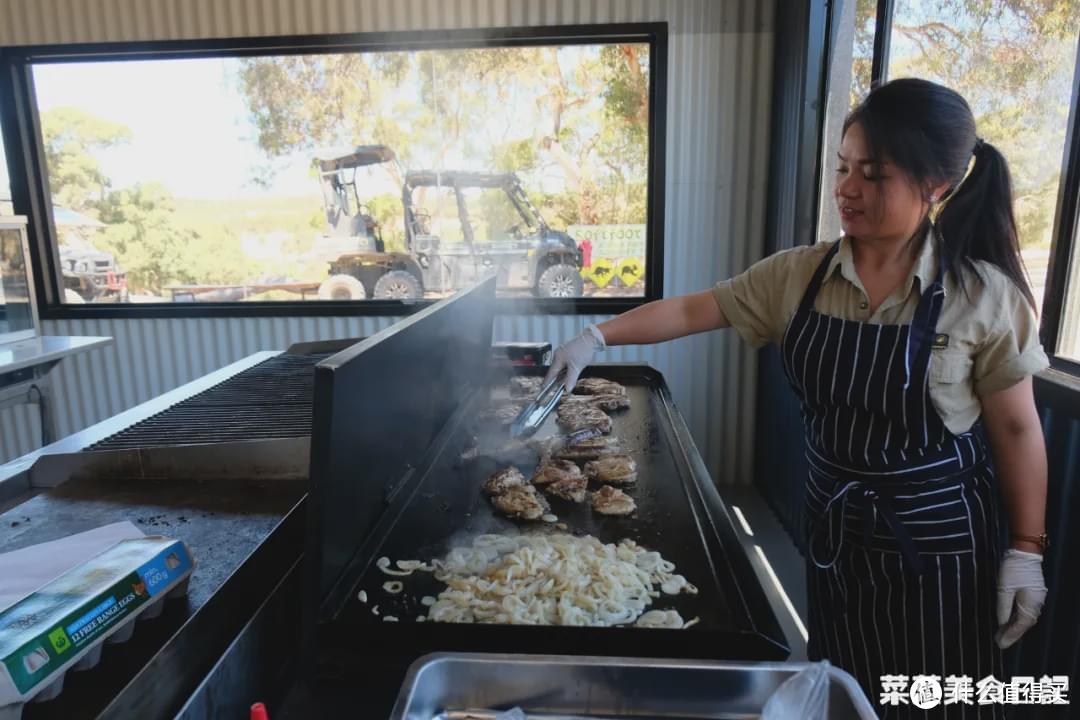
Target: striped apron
x,y
902,550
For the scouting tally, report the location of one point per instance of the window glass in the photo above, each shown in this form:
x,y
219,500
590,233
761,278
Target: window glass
x,y
848,83
1069,330
1013,62
16,318
350,175
6,207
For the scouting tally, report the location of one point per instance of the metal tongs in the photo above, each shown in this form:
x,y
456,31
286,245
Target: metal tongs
x,y
533,415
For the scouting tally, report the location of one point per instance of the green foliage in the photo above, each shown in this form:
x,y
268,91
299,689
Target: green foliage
x,y
590,119
862,51
1013,61
515,156
560,210
159,240
492,215
70,136
387,211
627,85
156,251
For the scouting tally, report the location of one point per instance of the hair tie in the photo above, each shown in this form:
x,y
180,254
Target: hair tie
x,y
979,142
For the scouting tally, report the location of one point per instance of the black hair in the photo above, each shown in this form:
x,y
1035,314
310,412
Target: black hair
x,y
928,131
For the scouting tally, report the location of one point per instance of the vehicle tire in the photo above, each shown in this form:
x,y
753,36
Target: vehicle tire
x,y
560,281
342,287
73,298
398,285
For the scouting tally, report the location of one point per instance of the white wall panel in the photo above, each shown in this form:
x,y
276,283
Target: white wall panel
x,y
719,86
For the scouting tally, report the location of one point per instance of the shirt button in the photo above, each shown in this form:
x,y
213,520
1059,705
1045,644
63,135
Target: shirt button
x,y
863,305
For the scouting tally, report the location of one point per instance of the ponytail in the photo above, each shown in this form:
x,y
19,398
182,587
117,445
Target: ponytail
x,y
977,222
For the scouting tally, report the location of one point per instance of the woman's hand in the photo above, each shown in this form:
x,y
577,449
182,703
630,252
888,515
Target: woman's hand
x,y
575,356
1016,439
1021,594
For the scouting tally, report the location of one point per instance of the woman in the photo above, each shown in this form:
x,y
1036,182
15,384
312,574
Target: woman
x,y
897,339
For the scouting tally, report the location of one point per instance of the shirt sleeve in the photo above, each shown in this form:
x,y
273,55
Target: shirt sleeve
x,y
755,302
1011,351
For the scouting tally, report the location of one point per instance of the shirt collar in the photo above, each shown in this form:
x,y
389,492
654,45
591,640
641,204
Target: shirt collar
x,y
925,268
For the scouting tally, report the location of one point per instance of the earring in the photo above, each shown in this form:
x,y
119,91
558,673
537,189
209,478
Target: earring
x,y
933,199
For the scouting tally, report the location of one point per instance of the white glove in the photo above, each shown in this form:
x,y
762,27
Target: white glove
x,y
575,356
1021,594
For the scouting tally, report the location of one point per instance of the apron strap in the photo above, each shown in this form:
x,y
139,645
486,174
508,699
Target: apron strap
x,y
869,502
924,323
807,302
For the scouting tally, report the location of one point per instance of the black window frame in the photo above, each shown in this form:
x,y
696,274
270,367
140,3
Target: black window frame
x,y
1067,212
30,193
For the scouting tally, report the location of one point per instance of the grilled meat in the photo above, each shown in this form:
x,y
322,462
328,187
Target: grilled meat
x,y
569,488
608,402
545,448
525,386
598,386
590,449
504,479
522,502
554,470
501,413
575,418
573,402
612,501
614,469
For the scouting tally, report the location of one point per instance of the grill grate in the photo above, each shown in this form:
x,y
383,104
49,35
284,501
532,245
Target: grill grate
x,y
269,400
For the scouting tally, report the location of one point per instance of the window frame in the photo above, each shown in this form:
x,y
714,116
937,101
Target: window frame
x,y
23,144
1067,212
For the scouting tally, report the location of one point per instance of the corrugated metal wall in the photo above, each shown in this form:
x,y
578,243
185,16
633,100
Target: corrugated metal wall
x,y
719,86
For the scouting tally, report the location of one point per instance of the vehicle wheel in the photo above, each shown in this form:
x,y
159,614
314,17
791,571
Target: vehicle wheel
x,y
560,281
342,287
398,285
73,298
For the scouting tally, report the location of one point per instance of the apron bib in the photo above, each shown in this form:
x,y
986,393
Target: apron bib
x,y
902,554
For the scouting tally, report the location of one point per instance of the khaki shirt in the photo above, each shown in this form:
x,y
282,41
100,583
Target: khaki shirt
x,y
993,340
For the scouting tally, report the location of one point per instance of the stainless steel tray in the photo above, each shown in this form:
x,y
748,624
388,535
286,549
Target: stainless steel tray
x,y
456,686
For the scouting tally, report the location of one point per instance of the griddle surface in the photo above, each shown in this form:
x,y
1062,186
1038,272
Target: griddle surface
x,y
448,510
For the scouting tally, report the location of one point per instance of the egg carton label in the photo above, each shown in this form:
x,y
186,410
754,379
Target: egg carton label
x,y
48,629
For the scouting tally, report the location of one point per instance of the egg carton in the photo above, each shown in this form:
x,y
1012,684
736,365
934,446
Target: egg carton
x,y
64,626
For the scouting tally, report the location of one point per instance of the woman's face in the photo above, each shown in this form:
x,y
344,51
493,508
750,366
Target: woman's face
x,y
876,201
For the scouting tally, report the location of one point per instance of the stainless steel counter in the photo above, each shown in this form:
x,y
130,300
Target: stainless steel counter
x,y
46,349
474,686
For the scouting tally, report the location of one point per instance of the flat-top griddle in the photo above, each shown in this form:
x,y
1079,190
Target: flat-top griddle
x,y
679,514
388,480
449,510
